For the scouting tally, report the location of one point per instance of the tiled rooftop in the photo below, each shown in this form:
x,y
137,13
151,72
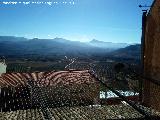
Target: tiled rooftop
x,y
46,78
120,111
62,95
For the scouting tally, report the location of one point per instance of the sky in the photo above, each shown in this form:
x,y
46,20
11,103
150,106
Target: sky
x,y
116,21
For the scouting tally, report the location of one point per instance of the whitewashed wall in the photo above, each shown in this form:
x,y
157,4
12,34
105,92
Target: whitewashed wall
x,y
3,67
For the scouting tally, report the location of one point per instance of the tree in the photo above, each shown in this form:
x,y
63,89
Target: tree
x,y
119,67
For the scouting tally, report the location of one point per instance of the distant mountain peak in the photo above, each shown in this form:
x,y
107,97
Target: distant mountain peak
x,y
58,38
35,39
96,41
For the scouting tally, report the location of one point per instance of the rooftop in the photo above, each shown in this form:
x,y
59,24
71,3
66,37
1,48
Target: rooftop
x,y
76,113
47,78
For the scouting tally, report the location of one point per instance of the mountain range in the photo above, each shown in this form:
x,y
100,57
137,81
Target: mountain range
x,y
10,45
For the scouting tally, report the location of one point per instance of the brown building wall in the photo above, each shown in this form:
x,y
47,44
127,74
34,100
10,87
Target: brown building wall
x,y
151,93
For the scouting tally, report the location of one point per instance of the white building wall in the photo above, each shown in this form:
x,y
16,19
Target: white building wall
x,y
3,67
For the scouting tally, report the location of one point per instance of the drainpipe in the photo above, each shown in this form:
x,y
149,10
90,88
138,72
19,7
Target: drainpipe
x,y
144,16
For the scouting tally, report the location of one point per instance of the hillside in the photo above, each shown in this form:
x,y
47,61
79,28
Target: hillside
x,y
102,44
132,51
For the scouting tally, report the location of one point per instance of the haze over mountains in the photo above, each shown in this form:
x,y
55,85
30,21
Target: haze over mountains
x,y
102,44
10,45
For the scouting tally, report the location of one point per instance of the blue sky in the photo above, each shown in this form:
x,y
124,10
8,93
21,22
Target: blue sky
x,y
105,20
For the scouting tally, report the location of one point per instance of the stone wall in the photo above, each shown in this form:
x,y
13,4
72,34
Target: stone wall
x,y
151,93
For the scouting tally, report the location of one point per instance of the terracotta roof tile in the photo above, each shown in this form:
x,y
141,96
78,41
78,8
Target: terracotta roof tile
x,y
46,78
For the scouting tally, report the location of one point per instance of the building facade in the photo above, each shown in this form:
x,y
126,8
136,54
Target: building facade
x,y
151,88
3,67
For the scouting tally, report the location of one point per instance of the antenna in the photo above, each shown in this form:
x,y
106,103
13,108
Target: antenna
x,y
143,7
